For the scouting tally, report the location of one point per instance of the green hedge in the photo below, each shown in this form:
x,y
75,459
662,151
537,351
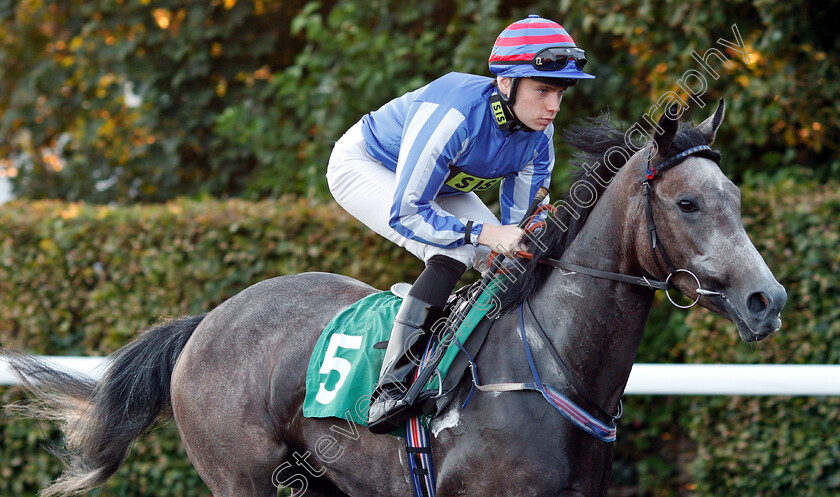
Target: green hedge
x,y
81,279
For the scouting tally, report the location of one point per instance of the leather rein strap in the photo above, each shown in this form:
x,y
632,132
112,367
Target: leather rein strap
x,y
597,273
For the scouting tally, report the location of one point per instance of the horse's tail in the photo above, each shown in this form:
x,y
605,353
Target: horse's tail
x,y
101,419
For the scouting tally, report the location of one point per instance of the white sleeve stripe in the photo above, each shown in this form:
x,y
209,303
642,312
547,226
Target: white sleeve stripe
x,y
522,192
431,152
422,172
426,232
424,112
550,154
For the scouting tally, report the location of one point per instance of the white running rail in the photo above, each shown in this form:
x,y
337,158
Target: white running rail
x,y
646,379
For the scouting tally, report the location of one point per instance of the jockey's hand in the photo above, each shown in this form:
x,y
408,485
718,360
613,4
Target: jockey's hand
x,y
503,239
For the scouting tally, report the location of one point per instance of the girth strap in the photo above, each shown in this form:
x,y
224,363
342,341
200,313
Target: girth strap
x,y
505,387
418,450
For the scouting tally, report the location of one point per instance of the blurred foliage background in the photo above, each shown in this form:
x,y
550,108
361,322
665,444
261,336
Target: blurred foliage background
x,y
133,100
166,155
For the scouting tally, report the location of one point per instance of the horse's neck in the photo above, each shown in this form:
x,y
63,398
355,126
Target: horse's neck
x,y
596,325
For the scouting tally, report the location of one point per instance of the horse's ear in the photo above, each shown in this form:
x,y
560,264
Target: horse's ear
x,y
710,126
667,128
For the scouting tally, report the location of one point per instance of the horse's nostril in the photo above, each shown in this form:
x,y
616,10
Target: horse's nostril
x,y
758,302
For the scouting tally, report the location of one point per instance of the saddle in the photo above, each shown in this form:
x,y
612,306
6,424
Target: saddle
x,y
456,309
345,363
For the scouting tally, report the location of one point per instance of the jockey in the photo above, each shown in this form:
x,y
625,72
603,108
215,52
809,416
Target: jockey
x,y
410,170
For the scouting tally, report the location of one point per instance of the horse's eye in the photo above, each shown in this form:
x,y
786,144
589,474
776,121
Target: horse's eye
x,y
687,206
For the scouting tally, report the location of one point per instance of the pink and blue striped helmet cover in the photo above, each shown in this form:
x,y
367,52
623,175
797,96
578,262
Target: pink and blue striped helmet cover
x,y
522,40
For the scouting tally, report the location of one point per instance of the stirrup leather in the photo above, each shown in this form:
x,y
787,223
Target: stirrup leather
x,y
410,334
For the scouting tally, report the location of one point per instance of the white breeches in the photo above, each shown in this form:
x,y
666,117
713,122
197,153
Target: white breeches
x,y
365,189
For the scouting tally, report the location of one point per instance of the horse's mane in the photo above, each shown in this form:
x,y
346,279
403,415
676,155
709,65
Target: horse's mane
x,y
597,142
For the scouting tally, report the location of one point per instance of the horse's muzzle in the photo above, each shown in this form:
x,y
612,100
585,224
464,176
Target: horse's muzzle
x,y
759,314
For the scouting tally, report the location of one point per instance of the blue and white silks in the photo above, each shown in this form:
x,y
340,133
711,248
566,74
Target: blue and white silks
x,y
429,135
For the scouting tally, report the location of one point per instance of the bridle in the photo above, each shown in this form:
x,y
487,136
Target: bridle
x,y
578,416
657,248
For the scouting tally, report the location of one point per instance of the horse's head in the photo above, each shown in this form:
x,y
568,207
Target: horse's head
x,y
696,210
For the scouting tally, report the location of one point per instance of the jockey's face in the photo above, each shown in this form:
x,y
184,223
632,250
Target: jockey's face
x,y
536,103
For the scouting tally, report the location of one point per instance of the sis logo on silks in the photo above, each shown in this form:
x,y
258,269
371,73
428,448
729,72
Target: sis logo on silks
x,y
465,182
498,111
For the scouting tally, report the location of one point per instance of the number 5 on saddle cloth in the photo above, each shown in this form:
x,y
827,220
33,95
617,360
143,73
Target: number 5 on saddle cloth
x,y
345,363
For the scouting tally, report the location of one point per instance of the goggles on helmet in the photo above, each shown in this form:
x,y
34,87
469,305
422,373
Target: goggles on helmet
x,y
552,59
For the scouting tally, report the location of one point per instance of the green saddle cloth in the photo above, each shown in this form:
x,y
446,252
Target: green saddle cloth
x,y
344,367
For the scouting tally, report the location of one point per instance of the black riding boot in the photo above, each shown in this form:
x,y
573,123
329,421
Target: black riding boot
x,y
412,327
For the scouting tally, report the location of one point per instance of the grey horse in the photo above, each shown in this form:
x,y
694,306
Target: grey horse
x,y
234,377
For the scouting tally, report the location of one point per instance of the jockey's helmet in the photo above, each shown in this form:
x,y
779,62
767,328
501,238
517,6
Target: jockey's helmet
x,y
538,48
